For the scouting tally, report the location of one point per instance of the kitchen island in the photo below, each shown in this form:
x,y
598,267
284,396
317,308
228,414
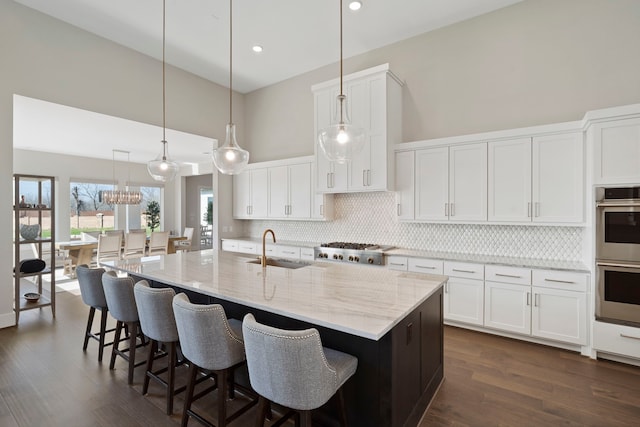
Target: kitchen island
x,y
391,321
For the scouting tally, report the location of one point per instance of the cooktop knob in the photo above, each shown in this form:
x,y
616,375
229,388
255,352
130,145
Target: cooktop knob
x,y
335,256
340,257
370,260
350,257
356,258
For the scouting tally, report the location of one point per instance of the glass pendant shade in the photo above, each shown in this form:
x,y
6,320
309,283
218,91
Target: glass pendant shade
x,y
230,159
341,141
162,168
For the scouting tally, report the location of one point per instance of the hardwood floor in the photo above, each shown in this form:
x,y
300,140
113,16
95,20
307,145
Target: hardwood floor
x,y
46,380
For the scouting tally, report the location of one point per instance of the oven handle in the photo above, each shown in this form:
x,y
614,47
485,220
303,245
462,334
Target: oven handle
x,y
617,204
617,264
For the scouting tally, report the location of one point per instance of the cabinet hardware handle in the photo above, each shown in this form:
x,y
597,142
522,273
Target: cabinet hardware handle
x,y
536,300
508,275
529,210
321,210
629,336
559,281
453,209
425,266
364,177
333,179
396,263
409,332
328,180
369,177
288,252
611,264
462,271
537,209
446,209
528,298
247,209
398,209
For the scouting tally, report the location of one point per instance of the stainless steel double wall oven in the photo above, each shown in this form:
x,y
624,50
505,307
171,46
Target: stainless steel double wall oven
x,y
618,255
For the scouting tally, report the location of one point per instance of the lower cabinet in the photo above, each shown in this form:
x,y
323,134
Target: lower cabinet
x,y
507,307
464,293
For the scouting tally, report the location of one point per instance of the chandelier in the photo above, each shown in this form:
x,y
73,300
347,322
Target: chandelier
x,y
121,197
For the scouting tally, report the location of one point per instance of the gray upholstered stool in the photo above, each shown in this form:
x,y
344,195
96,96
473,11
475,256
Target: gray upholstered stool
x,y
211,342
122,306
90,281
159,325
292,369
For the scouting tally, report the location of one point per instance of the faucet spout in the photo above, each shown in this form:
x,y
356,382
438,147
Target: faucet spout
x,y
263,258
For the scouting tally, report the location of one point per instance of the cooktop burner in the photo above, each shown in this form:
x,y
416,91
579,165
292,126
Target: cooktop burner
x,y
348,245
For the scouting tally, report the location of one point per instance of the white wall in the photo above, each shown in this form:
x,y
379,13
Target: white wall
x,y
47,59
536,62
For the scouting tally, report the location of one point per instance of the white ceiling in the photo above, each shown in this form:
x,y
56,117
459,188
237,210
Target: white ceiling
x,y
297,35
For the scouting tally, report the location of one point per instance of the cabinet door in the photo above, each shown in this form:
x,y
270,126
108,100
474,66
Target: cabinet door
x,y
468,182
300,191
617,152
278,191
558,178
464,300
360,166
259,193
242,194
432,184
379,143
323,116
507,307
404,179
510,180
559,315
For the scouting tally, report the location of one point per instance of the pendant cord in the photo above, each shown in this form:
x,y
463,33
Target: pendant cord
x,y
341,48
113,167
164,112
231,61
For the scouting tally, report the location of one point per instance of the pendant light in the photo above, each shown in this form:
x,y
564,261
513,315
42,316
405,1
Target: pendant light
x,y
121,197
162,168
341,141
230,158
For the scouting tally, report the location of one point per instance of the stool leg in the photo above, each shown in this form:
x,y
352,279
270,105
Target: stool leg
x,y
152,351
193,371
103,331
133,334
342,408
172,377
116,344
87,334
262,411
222,397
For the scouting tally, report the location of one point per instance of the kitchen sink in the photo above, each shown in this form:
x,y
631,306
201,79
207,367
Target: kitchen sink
x,y
282,263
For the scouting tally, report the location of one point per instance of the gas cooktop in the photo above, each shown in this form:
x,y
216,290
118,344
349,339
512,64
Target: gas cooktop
x,y
362,253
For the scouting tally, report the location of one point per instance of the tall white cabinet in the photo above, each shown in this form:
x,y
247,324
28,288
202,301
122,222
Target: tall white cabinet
x,y
375,101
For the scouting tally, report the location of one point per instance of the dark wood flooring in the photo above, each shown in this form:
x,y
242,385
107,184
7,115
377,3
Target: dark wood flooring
x,y
46,380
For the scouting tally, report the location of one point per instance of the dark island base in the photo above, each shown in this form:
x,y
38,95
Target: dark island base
x,y
397,376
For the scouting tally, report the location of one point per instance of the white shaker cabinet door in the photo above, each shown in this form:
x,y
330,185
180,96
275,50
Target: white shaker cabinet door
x,y
300,191
507,307
278,192
558,178
509,179
432,184
468,182
404,179
617,152
559,315
464,300
259,193
242,195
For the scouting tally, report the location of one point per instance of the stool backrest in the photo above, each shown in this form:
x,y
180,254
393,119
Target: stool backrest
x,y
156,312
120,299
90,281
288,367
205,336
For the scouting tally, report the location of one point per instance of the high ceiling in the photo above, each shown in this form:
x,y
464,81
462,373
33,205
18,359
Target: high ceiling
x,y
297,35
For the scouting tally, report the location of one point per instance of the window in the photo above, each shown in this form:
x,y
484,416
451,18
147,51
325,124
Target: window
x,y
88,212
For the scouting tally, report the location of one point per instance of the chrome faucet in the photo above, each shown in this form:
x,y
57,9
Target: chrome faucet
x,y
263,258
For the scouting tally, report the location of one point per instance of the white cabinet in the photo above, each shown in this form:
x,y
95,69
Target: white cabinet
x,y
451,183
464,293
404,181
288,252
250,194
398,263
429,266
307,254
507,299
617,151
616,339
290,191
230,245
375,102
538,179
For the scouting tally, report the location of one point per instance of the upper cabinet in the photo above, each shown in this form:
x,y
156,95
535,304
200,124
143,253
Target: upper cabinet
x,y
617,151
375,101
537,179
281,189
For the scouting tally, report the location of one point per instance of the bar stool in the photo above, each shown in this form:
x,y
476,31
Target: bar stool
x,y
210,342
292,369
122,306
90,281
159,325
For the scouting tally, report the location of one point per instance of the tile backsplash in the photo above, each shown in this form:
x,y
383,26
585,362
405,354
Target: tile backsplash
x,y
369,218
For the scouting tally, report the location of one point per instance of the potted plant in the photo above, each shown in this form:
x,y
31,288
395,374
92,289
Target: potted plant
x,y
152,215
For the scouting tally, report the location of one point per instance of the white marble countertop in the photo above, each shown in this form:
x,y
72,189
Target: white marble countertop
x,y
493,259
367,301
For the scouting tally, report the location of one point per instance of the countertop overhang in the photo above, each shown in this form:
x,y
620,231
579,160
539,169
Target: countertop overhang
x,y
366,301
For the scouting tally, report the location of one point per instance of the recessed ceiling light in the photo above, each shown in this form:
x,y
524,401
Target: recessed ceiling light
x,y
355,5
257,48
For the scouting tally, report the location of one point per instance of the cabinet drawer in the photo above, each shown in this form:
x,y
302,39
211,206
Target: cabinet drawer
x,y
561,280
617,339
247,247
270,250
464,269
230,245
288,252
397,263
421,265
503,274
307,254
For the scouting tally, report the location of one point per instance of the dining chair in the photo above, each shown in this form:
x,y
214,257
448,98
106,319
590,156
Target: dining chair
x,y
135,245
158,243
294,370
109,247
185,245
